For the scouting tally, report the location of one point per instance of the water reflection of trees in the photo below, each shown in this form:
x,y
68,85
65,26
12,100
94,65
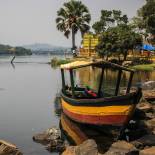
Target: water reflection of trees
x,y
89,76
144,76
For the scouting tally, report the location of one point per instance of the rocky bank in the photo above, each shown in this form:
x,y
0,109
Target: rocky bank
x,y
138,138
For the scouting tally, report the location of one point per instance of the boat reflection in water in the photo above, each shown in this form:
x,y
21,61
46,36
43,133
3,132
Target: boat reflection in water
x,y
76,133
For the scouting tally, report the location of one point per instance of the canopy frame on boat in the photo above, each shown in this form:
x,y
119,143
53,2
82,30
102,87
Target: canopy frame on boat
x,y
100,64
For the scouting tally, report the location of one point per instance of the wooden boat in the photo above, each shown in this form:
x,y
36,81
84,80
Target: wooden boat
x,y
8,148
89,107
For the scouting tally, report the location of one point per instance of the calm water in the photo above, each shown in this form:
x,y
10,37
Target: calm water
x,y
27,93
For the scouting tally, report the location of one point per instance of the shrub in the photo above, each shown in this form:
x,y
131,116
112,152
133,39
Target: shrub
x,y
57,62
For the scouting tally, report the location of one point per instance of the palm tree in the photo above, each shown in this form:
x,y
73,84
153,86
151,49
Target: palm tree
x,y
73,16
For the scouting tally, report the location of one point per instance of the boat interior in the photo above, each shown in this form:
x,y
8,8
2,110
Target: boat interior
x,y
86,92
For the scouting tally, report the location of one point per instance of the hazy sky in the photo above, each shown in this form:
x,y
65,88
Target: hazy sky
x,y
33,21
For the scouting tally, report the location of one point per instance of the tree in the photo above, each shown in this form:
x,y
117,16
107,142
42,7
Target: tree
x,y
109,19
146,18
117,36
73,16
118,41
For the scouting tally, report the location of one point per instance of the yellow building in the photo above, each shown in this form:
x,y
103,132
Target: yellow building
x,y
89,43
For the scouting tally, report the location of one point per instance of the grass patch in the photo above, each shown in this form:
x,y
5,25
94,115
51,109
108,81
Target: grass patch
x,y
145,67
57,62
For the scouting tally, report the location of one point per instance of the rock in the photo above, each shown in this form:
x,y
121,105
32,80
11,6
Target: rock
x,y
145,107
149,94
139,115
147,140
136,129
69,151
150,115
7,148
89,147
56,145
51,138
47,136
122,148
150,124
149,85
153,107
148,151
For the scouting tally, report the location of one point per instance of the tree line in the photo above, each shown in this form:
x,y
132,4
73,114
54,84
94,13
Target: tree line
x,y
9,50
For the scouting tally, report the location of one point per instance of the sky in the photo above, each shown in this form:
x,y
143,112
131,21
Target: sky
x,y
25,22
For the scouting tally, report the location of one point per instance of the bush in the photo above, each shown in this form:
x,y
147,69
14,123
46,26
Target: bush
x,y
143,68
57,62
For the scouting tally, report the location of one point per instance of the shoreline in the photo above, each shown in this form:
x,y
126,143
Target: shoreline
x,y
56,62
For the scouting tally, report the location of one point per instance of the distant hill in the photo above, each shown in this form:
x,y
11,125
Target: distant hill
x,y
39,48
9,50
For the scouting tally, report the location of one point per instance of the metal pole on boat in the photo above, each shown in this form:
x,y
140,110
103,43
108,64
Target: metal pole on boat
x,y
130,82
63,80
101,81
72,82
118,82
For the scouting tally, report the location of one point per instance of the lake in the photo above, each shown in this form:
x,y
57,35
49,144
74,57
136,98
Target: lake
x,y
27,93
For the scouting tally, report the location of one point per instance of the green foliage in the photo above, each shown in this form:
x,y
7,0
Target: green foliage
x,y
109,19
118,40
147,67
73,16
117,36
146,18
57,62
6,49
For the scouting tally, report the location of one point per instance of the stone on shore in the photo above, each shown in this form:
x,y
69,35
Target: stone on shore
x,y
145,107
47,136
51,138
122,148
148,151
149,94
89,147
147,140
149,85
7,148
150,124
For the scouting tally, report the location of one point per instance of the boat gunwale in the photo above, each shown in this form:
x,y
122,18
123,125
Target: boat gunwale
x,y
129,99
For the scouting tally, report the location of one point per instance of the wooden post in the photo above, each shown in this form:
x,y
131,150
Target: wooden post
x,y
13,59
72,82
63,80
129,83
118,82
101,81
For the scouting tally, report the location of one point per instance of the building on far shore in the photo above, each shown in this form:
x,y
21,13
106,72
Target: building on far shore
x,y
88,45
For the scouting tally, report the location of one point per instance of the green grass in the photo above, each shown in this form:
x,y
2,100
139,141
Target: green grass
x,y
57,62
145,67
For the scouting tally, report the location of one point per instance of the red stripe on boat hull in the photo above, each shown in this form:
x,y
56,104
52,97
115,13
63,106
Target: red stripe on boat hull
x,y
98,120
